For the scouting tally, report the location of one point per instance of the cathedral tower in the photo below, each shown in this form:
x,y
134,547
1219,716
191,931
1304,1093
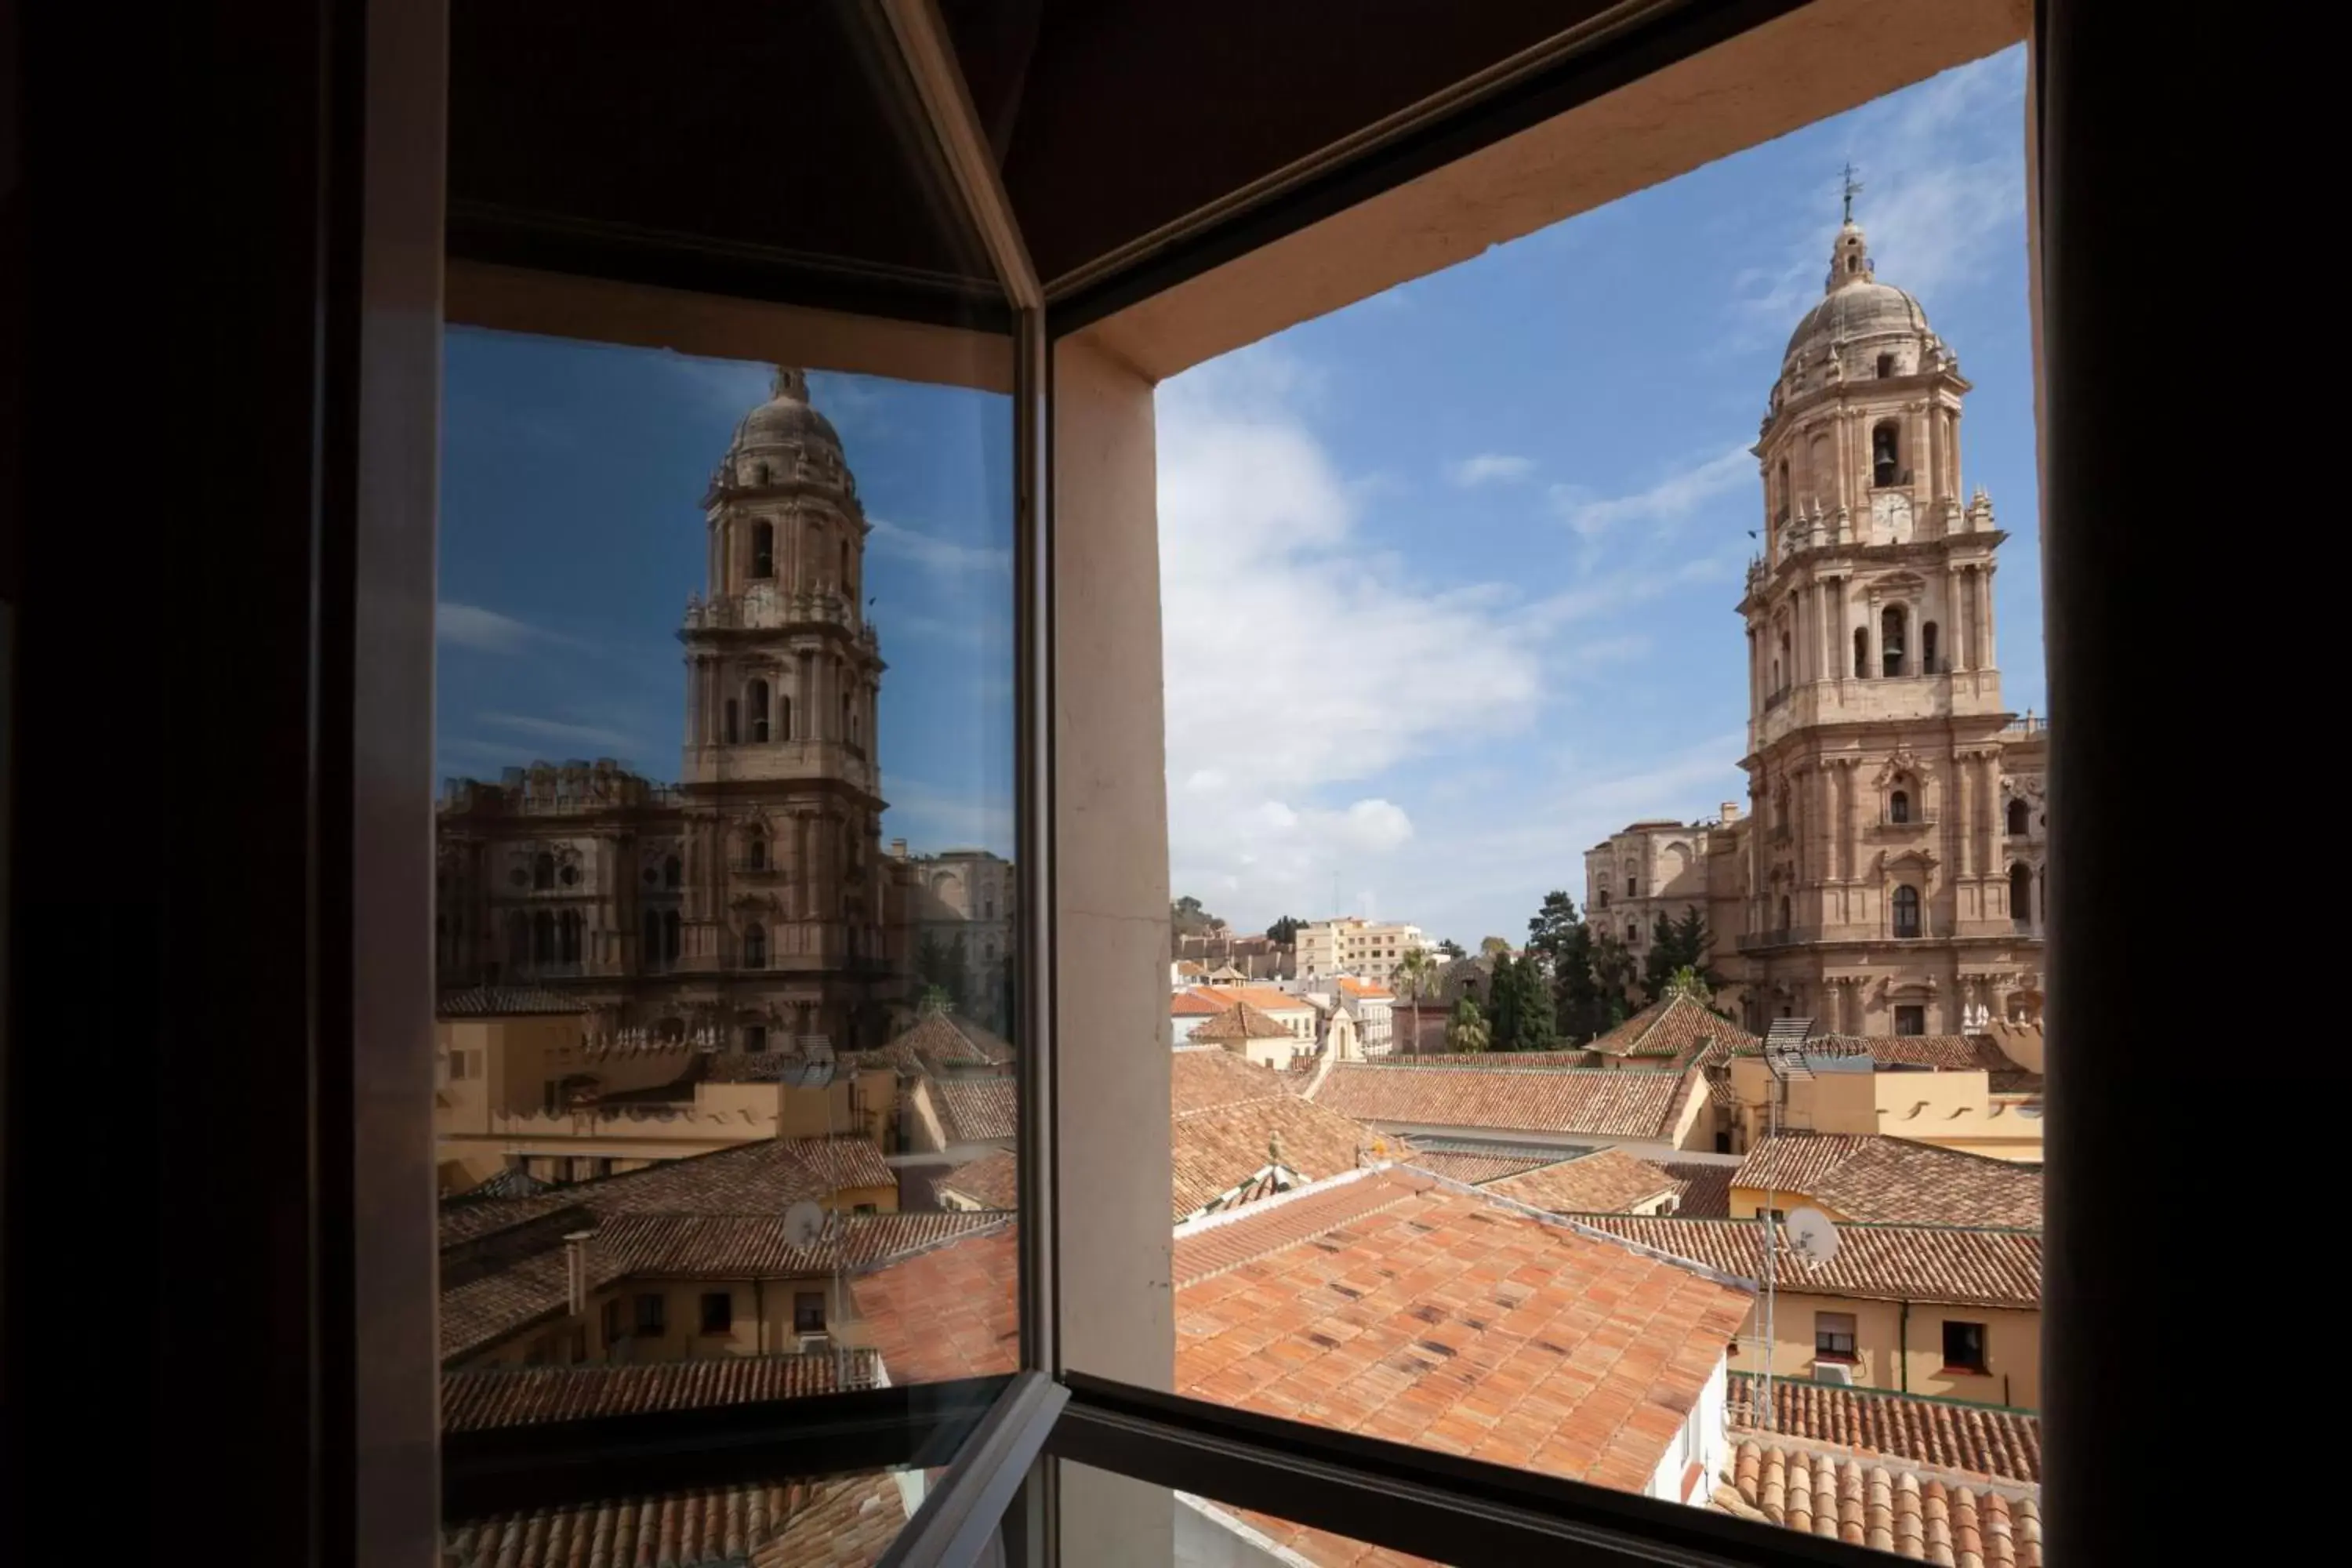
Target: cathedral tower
x,y
1886,887
782,899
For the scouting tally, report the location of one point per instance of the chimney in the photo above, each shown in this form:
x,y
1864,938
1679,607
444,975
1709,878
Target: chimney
x,y
575,1270
1731,811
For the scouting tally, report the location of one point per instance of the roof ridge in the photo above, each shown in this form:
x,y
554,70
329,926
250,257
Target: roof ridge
x,y
1865,1391
1842,1225
1547,1217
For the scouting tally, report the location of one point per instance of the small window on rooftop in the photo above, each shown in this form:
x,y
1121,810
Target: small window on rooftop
x,y
1964,1346
718,1312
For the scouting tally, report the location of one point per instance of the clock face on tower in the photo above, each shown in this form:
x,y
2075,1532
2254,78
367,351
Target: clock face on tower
x,y
1890,520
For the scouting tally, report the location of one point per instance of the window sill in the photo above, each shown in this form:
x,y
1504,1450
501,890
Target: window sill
x,y
1837,1359
1962,1372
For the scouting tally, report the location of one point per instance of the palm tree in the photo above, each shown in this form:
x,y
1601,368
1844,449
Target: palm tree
x,y
1412,976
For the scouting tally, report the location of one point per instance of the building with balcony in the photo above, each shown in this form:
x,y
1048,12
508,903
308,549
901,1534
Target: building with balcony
x,y
1888,877
749,905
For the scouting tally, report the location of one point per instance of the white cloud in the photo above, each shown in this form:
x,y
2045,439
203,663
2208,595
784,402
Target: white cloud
x,y
945,557
484,630
1267,587
1490,468
1669,501
555,730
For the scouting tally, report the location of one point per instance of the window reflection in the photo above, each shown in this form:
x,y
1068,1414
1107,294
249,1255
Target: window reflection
x,y
709,1051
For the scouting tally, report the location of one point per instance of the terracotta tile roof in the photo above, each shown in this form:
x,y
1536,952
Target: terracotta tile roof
x,y
1203,1076
991,1181
1193,1005
1219,1148
838,1522
1890,1507
1949,1433
1671,1029
521,1396
1943,1053
1606,1180
1265,998
1951,1264
1703,1191
950,1312
1364,988
480,1308
765,1176
1490,1060
1596,1103
759,1246
938,1042
1896,1181
1241,1022
1388,1305
847,1525
503,1002
1475,1169
1793,1161
977,1110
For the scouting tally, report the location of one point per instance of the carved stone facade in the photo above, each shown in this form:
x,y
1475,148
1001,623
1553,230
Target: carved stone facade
x,y
959,904
749,907
1888,875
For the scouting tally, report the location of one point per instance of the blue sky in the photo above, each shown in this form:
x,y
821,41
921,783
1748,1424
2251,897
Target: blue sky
x,y
1467,553
1447,576
571,533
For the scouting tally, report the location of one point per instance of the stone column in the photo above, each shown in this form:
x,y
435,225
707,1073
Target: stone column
x,y
1984,621
803,681
1755,682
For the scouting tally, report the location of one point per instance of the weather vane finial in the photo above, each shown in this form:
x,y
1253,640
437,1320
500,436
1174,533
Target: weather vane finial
x,y
1853,189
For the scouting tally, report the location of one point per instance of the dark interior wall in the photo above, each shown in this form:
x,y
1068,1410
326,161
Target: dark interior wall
x,y
1213,95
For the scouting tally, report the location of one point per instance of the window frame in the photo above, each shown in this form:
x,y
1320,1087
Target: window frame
x,y
1036,863
1982,1365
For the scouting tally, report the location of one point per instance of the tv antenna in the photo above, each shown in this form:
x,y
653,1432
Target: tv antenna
x,y
1784,1056
1811,1235
804,1224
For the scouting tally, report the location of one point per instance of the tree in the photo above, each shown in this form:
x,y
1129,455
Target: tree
x,y
1416,976
1284,932
1550,930
1190,919
939,966
933,999
1505,1002
1521,1005
1450,948
1677,944
1491,945
1686,981
1613,972
1466,1031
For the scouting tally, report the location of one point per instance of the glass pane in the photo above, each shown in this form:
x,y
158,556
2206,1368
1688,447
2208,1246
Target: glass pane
x,y
1694,724
844,1520
1119,1519
725,918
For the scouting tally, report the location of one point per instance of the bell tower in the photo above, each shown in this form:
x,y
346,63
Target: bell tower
x,y
782,904
1876,722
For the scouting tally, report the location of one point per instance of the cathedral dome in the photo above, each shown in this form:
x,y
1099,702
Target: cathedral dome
x,y
786,420
1855,306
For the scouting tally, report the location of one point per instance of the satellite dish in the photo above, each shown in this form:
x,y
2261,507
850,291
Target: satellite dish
x,y
1811,1235
804,1224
